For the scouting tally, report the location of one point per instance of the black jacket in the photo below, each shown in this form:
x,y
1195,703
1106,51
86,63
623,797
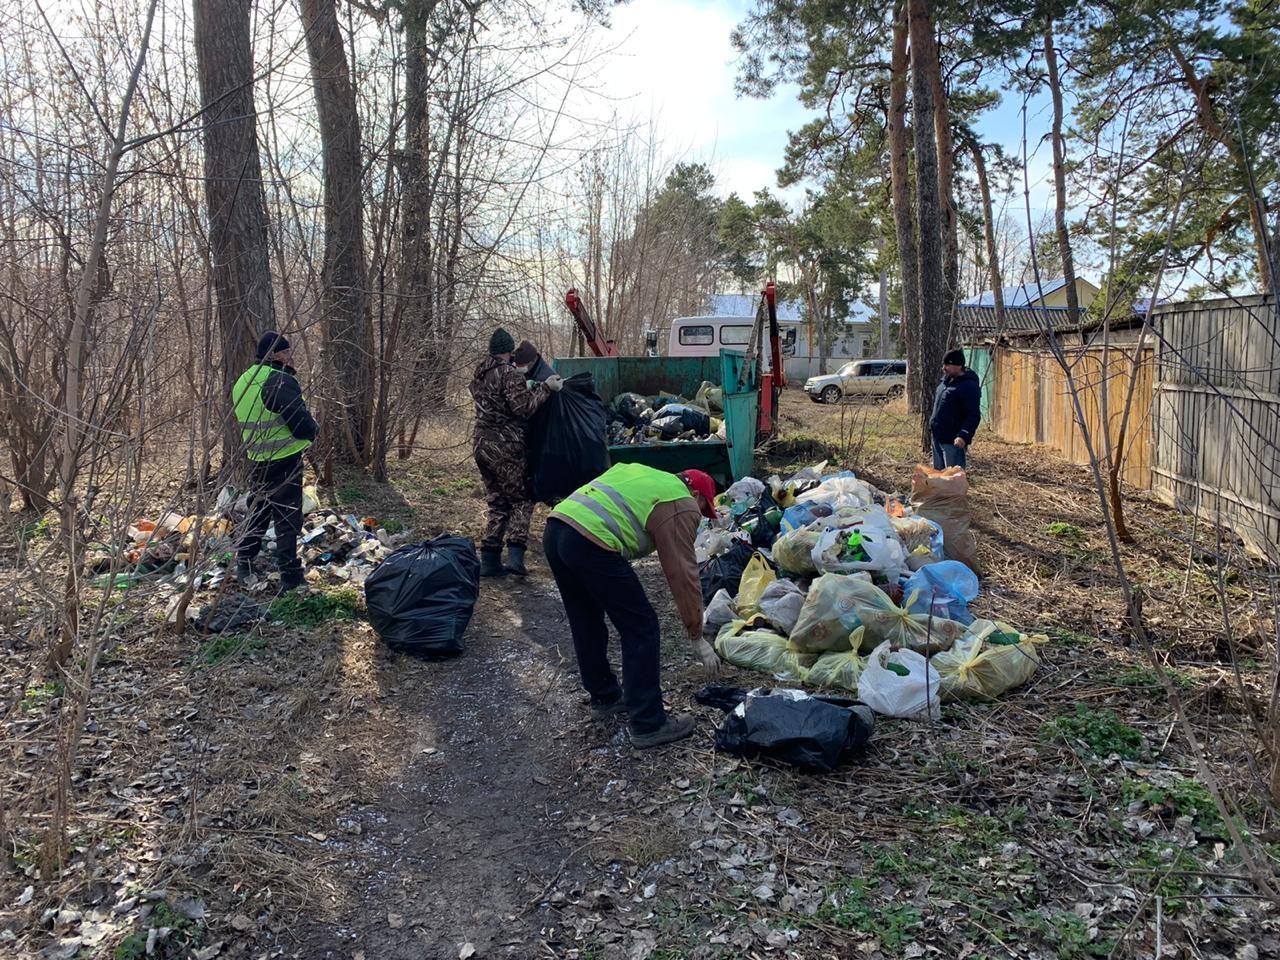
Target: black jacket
x,y
957,408
540,370
281,394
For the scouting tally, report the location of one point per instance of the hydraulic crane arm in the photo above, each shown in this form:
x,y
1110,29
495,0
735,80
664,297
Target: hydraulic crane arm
x,y
596,342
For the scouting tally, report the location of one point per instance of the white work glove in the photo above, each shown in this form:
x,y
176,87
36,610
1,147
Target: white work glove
x,y
707,656
554,382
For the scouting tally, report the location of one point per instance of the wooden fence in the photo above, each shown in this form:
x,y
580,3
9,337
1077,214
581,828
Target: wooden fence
x,y
1030,401
1217,415
1204,426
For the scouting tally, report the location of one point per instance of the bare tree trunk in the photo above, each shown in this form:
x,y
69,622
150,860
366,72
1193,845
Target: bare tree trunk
x,y
946,188
233,189
886,350
933,321
1060,177
989,229
903,222
347,328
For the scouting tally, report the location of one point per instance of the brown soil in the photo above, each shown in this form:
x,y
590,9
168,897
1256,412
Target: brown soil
x,y
316,796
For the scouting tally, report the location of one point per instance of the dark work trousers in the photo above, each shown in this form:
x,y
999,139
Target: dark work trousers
x,y
948,455
594,582
275,496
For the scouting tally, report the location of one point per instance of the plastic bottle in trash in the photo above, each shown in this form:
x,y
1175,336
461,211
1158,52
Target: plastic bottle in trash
x,y
940,608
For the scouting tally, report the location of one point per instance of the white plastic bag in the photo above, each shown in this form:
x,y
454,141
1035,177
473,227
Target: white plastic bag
x,y
781,603
748,488
839,492
711,542
910,697
884,552
720,610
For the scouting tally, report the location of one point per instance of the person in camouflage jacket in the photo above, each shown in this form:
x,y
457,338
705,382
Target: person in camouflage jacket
x,y
503,403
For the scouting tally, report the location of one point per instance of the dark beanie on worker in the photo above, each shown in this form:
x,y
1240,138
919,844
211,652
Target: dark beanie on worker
x,y
501,342
270,342
955,357
526,352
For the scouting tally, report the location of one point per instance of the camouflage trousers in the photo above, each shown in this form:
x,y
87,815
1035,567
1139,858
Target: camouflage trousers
x,y
504,470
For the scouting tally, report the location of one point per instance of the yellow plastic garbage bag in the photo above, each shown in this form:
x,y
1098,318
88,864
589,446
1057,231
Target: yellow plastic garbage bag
x,y
755,578
841,670
988,661
886,621
793,552
310,499
831,612
764,652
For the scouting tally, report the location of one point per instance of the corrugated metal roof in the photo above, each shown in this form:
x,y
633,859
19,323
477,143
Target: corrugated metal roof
x,y
792,311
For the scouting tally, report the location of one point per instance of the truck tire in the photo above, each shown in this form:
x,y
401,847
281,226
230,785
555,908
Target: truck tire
x,y
831,394
894,392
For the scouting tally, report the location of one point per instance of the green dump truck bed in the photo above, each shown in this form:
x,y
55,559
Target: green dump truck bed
x,y
726,460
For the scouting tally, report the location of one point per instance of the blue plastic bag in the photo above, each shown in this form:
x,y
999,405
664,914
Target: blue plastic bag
x,y
944,589
802,514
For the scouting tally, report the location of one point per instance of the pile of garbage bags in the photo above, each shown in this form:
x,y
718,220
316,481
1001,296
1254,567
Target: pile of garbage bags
x,y
667,418
827,581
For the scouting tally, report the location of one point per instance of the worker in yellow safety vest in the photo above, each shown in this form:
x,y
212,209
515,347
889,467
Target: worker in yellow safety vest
x,y
591,538
275,427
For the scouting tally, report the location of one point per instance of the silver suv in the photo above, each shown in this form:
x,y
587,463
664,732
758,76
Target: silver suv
x,y
860,378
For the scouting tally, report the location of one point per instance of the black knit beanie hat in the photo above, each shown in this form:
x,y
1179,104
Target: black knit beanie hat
x,y
501,342
271,342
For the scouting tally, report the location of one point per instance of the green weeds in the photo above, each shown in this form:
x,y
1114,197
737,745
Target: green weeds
x,y
1065,531
226,646
314,608
184,934
1100,730
40,695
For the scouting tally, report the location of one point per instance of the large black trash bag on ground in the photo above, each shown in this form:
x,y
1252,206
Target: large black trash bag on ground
x,y
810,732
420,598
568,443
725,571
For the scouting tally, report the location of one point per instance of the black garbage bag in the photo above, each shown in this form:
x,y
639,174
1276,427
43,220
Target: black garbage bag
x,y
725,571
420,598
809,732
568,443
633,409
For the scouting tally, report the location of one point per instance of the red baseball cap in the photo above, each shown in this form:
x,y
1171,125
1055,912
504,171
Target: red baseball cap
x,y
702,483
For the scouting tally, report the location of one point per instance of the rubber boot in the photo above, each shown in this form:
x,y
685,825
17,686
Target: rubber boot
x,y
515,560
491,562
291,578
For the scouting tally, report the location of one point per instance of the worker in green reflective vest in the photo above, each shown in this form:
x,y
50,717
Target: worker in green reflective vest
x,y
275,427
592,536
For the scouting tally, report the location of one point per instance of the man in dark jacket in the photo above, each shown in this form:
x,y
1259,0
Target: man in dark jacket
x,y
530,363
503,403
957,411
275,428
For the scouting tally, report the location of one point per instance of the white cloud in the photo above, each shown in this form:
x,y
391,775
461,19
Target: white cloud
x,y
675,67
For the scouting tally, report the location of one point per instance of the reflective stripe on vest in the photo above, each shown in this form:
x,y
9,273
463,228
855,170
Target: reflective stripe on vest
x,y
615,508
264,434
644,544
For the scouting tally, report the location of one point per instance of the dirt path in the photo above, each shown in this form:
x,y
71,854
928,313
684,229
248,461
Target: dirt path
x,y
458,849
